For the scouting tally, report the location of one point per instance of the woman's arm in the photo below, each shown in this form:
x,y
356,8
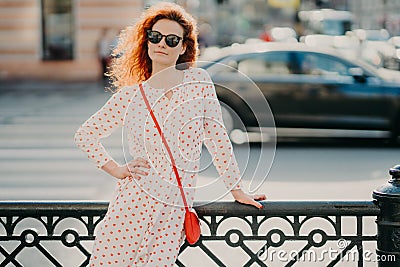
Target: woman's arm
x,y
218,143
102,124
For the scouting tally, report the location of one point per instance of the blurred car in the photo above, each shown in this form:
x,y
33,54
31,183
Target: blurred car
x,y
395,41
348,46
311,92
376,42
372,35
326,21
284,34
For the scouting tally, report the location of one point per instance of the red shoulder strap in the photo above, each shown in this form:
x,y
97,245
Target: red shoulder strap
x,y
166,146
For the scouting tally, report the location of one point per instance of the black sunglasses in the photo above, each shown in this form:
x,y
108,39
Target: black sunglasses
x,y
155,37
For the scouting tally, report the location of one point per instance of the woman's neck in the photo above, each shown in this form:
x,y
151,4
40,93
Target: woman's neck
x,y
165,77
163,71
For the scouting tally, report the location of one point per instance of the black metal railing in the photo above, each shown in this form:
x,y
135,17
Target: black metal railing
x,y
283,233
306,229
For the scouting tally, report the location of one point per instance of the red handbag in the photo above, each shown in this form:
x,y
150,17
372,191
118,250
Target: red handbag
x,y
192,221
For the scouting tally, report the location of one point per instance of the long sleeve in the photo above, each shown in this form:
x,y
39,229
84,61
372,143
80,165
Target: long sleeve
x,y
216,138
102,124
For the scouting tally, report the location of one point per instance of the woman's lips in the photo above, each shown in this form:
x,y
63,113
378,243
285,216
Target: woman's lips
x,y
159,52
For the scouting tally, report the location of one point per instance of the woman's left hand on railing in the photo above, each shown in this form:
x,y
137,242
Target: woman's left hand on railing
x,y
248,199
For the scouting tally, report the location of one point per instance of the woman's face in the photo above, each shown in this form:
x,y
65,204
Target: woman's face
x,y
161,53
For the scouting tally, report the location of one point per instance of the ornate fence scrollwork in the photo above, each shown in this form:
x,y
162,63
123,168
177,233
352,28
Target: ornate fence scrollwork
x,y
61,233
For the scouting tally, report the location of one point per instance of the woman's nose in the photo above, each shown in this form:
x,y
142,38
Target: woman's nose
x,y
162,43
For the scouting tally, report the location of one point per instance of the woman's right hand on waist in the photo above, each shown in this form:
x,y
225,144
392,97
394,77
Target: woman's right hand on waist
x,y
133,169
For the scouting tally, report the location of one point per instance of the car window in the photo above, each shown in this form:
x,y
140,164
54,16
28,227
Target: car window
x,y
227,65
283,63
319,64
270,63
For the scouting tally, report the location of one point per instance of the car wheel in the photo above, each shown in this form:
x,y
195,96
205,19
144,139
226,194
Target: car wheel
x,y
234,126
227,118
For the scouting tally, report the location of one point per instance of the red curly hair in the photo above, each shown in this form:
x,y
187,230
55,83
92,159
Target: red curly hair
x,y
131,63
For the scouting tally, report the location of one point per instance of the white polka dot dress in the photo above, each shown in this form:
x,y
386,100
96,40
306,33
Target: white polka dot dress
x,y
144,222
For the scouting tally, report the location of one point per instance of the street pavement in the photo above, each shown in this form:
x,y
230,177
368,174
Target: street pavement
x,y
39,159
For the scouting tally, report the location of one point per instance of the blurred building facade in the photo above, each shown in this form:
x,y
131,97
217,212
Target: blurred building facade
x,y
58,39
63,39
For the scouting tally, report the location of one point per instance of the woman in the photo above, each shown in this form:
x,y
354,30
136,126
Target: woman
x,y
144,222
